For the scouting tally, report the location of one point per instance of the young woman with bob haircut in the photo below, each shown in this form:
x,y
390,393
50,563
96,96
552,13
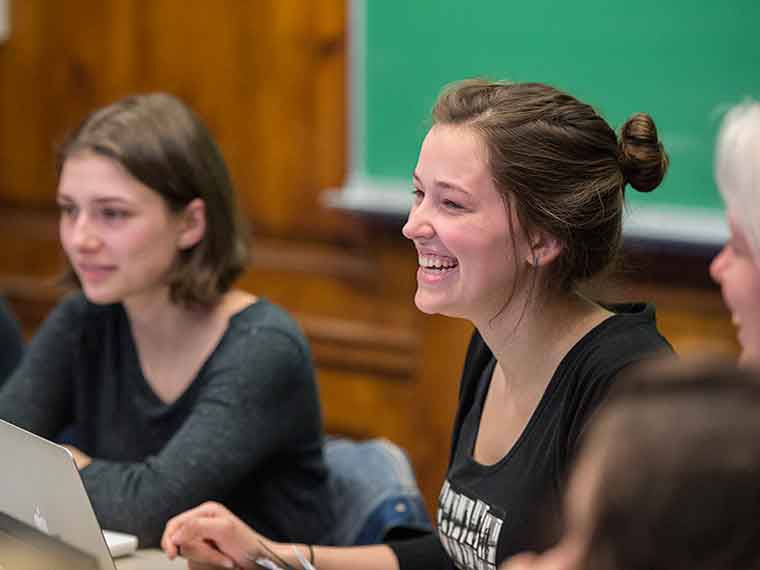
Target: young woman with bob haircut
x,y
174,387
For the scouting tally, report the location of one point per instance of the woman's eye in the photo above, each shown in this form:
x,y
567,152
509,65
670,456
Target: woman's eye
x,y
68,210
452,205
418,194
113,213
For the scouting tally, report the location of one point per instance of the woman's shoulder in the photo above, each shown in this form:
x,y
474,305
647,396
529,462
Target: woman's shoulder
x,y
264,323
262,341
631,328
264,315
630,335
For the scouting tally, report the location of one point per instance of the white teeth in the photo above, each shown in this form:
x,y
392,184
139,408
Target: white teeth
x,y
434,262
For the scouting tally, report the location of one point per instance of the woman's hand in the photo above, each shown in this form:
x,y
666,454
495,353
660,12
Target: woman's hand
x,y
211,534
80,458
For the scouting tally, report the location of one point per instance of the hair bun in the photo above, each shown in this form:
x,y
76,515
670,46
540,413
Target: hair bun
x,y
642,157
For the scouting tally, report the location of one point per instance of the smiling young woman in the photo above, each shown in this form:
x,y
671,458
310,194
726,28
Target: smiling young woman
x,y
168,382
518,199
458,225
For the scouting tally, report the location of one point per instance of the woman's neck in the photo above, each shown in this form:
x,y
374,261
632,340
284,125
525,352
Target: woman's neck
x,y
529,339
163,331
158,319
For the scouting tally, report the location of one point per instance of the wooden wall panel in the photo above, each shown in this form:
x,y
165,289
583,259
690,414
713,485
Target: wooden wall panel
x,y
268,77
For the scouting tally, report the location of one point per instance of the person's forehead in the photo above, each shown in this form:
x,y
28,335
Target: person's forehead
x,y
454,157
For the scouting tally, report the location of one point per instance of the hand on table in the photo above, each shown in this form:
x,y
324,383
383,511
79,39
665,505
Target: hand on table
x,y
211,534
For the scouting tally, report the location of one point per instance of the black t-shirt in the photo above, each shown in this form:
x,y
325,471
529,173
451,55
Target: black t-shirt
x,y
490,512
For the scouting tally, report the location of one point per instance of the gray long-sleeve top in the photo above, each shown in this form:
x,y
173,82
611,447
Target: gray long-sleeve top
x,y
247,432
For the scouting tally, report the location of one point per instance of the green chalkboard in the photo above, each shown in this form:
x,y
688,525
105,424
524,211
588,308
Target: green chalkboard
x,y
683,62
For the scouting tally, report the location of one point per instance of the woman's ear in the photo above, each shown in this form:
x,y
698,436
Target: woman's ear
x,y
544,249
193,224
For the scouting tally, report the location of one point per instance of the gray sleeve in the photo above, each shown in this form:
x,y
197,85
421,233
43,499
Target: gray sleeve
x,y
37,396
249,410
11,342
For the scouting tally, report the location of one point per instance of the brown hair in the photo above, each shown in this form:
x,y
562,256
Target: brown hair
x,y
159,141
678,484
562,163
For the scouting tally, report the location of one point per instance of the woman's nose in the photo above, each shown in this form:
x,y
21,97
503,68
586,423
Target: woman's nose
x,y
418,224
84,235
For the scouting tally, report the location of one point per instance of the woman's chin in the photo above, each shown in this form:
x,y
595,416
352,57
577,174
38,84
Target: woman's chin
x,y
434,307
425,304
425,309
99,297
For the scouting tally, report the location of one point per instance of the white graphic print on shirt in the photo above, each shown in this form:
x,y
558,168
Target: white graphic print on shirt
x,y
468,530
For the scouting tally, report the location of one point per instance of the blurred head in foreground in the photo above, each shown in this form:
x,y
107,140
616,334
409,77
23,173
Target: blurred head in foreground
x,y
668,478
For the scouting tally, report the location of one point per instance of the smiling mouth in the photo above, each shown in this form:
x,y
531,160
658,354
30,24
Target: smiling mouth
x,y
437,263
93,271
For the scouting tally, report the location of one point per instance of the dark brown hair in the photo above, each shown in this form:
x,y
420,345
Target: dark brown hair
x,y
678,483
159,141
561,162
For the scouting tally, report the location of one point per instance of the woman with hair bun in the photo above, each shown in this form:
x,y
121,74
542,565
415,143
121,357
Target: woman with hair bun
x,y
518,199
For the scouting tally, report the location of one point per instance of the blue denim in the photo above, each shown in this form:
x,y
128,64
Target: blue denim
x,y
374,493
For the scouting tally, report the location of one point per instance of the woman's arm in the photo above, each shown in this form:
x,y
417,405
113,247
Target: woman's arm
x,y
211,534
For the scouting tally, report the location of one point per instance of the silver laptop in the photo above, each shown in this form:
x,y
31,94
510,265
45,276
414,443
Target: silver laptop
x,y
24,547
41,487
